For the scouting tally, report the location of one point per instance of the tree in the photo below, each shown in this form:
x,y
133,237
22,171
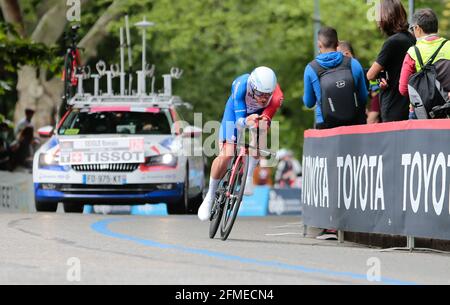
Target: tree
x,y
34,87
214,41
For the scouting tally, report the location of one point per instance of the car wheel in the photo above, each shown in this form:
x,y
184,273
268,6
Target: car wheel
x,y
73,207
43,206
181,206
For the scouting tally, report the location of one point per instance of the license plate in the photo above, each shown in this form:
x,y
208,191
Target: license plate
x,y
105,179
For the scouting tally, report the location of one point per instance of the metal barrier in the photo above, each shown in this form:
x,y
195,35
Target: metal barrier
x,y
16,192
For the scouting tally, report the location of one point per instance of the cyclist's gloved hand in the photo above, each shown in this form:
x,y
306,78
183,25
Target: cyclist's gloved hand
x,y
240,124
252,121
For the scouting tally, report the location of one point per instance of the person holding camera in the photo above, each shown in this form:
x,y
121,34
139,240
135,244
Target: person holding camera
x,y
387,67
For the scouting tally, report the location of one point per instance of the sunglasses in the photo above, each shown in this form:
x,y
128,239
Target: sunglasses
x,y
412,28
262,95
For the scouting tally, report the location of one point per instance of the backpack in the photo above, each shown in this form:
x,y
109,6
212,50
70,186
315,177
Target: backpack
x,y
339,102
425,91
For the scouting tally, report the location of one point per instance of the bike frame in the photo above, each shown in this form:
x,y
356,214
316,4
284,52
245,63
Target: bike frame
x,y
228,198
238,159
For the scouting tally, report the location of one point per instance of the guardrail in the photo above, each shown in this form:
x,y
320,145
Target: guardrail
x,y
16,192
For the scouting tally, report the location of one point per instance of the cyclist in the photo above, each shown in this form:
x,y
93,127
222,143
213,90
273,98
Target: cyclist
x,y
254,100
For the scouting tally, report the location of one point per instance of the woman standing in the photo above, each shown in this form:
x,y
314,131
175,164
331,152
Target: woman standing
x,y
387,67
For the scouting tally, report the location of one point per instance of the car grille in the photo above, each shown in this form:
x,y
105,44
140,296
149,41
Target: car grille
x,y
122,168
106,189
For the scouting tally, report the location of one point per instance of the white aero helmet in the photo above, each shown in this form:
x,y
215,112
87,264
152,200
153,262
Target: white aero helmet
x,y
263,80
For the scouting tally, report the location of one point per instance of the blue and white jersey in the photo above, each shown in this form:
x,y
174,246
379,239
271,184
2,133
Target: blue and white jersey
x,y
241,104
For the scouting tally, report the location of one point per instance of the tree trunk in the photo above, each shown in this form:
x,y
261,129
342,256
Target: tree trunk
x,y
34,90
12,14
39,94
99,31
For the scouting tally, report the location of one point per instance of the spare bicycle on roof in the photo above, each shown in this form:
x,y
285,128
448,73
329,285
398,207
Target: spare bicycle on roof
x,y
77,77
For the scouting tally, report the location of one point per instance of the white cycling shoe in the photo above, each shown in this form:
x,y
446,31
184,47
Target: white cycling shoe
x,y
204,212
249,187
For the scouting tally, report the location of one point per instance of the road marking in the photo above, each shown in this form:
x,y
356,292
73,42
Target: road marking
x,y
101,227
283,234
283,227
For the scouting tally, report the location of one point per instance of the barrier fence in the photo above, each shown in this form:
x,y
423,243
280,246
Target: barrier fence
x,y
17,195
391,178
16,192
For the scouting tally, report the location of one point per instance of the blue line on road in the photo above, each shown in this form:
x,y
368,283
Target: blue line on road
x,y
102,228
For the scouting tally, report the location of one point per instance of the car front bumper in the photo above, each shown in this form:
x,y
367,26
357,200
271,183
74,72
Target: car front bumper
x,y
129,194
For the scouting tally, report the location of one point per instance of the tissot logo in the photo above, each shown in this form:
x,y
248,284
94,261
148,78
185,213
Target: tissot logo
x,y
340,84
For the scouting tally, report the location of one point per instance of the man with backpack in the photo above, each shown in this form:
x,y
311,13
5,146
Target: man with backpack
x,y
425,75
335,84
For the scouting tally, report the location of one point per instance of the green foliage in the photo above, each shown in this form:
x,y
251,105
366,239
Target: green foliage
x,y
215,41
15,52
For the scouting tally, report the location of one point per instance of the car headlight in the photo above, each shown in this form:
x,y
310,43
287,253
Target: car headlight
x,y
47,160
166,160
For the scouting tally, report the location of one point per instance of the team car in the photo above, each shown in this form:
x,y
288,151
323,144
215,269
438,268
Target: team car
x,y
123,150
126,148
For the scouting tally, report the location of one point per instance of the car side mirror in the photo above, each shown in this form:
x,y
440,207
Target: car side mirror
x,y
46,132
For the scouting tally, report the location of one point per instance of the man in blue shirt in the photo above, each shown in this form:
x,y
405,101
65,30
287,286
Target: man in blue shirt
x,y
329,61
336,86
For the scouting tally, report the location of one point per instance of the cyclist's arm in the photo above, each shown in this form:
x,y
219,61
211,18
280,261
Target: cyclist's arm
x,y
239,90
275,104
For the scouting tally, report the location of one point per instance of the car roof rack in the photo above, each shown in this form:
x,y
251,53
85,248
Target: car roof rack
x,y
138,97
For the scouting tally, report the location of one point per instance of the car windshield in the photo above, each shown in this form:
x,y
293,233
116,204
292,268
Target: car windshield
x,y
86,122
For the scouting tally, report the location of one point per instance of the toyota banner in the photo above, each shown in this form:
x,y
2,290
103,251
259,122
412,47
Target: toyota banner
x,y
391,178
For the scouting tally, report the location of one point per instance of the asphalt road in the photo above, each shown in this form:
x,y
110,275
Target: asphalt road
x,y
95,249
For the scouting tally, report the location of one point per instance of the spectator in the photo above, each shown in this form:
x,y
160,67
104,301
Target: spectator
x,y
335,105
425,25
373,114
263,174
22,150
288,170
25,122
387,67
346,48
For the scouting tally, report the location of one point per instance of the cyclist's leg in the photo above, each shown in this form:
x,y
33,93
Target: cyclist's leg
x,y
254,156
227,134
221,163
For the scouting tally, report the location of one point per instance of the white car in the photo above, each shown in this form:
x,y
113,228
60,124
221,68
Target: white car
x,y
127,152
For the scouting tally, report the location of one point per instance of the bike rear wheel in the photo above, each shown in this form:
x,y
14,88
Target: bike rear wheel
x,y
217,209
233,202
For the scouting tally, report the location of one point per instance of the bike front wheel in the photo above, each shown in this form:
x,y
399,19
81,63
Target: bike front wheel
x,y
217,209
233,201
